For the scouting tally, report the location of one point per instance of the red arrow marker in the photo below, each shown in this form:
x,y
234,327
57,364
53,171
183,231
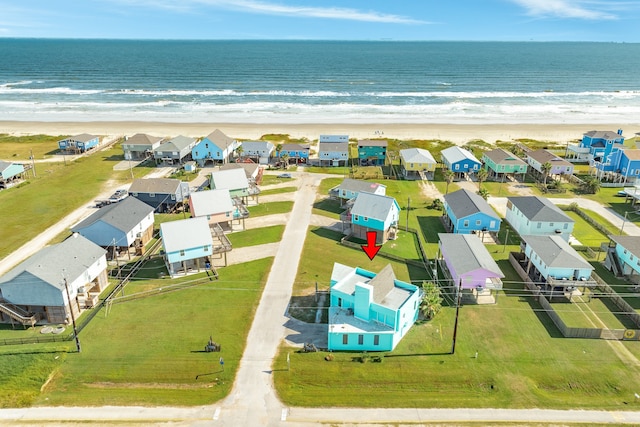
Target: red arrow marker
x,y
370,248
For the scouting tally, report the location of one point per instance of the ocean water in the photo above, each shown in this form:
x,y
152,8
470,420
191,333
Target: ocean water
x,y
319,81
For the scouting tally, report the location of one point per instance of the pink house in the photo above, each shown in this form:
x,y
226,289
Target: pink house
x,y
216,205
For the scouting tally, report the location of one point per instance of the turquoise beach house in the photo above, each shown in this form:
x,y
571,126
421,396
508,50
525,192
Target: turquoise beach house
x,y
372,152
627,250
9,172
500,162
187,244
374,212
215,148
538,216
368,311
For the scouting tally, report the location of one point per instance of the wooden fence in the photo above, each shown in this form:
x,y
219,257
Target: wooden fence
x,y
566,331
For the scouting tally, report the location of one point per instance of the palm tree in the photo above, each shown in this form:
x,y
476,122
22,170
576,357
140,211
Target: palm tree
x,y
285,160
546,168
591,185
482,176
431,301
448,177
239,151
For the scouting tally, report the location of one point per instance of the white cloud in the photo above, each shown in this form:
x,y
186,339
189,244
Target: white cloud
x,y
280,9
577,9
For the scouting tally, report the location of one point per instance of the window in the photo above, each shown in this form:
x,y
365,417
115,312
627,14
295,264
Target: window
x,y
366,218
205,248
376,340
478,222
355,217
550,224
466,222
457,167
411,165
339,302
566,226
152,194
345,339
539,225
360,339
173,197
181,252
196,154
206,145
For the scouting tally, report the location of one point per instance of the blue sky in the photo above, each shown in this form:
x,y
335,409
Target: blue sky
x,y
504,20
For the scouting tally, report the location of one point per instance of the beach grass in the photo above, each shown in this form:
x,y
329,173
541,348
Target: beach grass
x,y
21,148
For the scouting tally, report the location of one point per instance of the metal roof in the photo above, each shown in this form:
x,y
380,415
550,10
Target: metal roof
x,y
630,243
554,251
69,259
466,253
211,202
358,185
220,139
501,156
143,139
536,208
230,179
341,147
124,215
185,234
542,156
373,206
603,134
455,154
417,155
464,203
178,143
372,143
155,185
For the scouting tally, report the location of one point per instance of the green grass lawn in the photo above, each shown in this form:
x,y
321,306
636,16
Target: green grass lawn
x,y
270,208
268,179
510,371
278,190
258,236
55,192
148,351
19,148
585,233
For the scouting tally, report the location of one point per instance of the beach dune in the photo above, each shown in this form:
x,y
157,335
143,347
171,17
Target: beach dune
x,y
456,133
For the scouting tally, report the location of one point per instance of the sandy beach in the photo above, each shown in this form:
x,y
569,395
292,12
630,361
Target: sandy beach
x,y
458,134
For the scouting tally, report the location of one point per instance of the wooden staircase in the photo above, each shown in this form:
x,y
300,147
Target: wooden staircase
x,y
16,313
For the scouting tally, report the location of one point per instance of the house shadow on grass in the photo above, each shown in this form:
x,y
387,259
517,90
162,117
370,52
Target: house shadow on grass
x,y
329,205
430,227
327,234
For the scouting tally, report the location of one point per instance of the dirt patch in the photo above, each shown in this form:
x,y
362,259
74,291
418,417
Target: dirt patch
x,y
429,190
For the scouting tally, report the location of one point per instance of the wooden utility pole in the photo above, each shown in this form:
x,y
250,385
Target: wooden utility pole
x,y
455,325
73,316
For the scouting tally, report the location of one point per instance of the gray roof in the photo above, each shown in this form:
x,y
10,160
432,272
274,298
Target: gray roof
x,y
220,139
155,185
372,143
294,147
469,254
185,234
341,147
257,146
417,155
372,206
143,139
124,215
603,134
554,251
543,156
455,154
83,137
630,243
52,264
536,208
4,165
464,203
504,157
358,185
178,143
250,169
211,202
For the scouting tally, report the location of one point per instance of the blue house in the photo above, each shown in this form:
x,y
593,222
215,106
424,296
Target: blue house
x,y
333,153
187,244
602,143
459,160
374,212
627,251
466,212
215,147
368,311
297,153
620,165
79,143
258,151
372,152
553,263
9,172
334,138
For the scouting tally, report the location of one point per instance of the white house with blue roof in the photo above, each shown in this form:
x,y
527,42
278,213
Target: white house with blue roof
x,y
369,311
466,212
